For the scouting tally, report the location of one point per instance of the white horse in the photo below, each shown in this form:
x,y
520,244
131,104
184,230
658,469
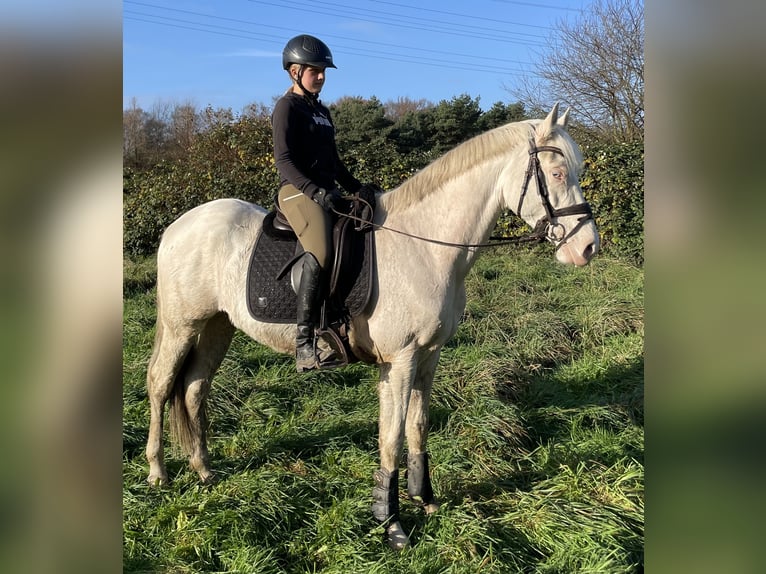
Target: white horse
x,y
531,167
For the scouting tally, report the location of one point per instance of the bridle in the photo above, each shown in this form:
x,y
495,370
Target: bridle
x,y
545,228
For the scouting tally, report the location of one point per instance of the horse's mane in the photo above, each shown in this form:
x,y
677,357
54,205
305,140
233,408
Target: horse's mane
x,y
457,161
466,155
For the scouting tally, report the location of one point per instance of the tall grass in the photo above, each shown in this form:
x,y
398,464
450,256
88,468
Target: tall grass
x,y
536,441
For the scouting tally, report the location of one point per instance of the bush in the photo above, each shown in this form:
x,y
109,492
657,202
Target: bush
x,y
380,162
232,159
613,183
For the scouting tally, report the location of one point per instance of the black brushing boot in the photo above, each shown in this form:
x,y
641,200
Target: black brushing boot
x,y
385,507
308,300
419,482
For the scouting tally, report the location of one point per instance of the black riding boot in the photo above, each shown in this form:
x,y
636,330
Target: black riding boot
x,y
308,301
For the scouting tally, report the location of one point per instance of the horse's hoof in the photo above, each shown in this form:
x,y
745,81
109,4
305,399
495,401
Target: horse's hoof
x,y
157,481
396,537
207,478
428,507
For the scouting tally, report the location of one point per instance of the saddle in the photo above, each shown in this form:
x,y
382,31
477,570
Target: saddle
x,y
273,275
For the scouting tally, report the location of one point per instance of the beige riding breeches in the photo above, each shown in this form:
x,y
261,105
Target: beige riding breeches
x,y
310,222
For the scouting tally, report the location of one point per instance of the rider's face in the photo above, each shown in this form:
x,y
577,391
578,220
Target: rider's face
x,y
313,79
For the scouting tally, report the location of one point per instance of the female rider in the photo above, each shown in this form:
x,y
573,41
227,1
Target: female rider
x,y
306,157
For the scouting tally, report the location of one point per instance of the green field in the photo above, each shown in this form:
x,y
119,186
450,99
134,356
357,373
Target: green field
x,y
536,445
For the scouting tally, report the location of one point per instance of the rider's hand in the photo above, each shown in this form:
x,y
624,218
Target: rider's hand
x,y
368,191
327,199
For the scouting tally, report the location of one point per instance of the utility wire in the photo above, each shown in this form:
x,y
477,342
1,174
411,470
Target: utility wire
x,y
237,32
409,49
355,10
460,15
456,61
454,32
231,32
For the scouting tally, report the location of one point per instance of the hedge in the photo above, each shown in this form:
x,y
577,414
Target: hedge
x,y
613,182
235,160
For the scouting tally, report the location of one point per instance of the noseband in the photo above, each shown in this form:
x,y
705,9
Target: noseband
x,y
546,226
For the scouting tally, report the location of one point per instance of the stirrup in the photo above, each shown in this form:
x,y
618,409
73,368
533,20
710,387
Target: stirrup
x,y
337,355
323,356
326,355
304,367
307,362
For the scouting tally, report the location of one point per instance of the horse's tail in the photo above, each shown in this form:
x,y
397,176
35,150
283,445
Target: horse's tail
x,y
181,430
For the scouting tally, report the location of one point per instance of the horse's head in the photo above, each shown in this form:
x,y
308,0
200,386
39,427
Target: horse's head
x,y
550,198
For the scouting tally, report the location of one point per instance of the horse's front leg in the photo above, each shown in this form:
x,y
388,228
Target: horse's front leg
x,y
394,394
418,477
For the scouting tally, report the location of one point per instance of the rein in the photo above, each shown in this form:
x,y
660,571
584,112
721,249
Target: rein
x,y
544,228
538,235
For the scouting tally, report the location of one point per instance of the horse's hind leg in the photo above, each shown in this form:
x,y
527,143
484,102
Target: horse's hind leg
x,y
170,350
418,478
206,357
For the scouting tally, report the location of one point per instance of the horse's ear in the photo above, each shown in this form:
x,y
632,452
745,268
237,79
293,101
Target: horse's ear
x,y
564,119
544,129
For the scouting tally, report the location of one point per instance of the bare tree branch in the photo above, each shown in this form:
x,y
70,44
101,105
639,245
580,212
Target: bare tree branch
x,y
595,64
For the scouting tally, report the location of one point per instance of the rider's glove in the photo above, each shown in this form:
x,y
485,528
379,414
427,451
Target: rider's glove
x,y
327,199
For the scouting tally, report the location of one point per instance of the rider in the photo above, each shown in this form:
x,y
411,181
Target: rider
x,y
307,159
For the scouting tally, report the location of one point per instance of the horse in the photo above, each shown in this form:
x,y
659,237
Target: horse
x,y
428,233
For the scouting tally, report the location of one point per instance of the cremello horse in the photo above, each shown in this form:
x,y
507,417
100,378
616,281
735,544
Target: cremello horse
x,y
531,167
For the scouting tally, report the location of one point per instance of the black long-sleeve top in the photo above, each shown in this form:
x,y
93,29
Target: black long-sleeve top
x,y
305,152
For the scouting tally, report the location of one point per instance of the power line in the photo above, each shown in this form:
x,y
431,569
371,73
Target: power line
x,y
461,15
408,49
303,8
538,5
181,24
166,20
355,10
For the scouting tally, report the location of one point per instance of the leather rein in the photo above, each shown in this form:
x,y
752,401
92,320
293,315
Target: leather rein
x,y
544,229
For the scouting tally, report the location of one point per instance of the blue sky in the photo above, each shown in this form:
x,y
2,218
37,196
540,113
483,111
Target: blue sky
x,y
227,53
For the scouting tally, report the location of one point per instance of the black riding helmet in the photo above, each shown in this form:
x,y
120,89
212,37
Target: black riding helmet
x,y
308,51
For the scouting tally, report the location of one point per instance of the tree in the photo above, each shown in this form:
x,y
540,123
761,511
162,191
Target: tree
x,y
595,64
396,109
454,122
357,121
500,114
257,110
184,126
165,133
212,118
413,131
133,134
144,135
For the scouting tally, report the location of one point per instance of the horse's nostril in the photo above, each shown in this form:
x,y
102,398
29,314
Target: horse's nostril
x,y
589,252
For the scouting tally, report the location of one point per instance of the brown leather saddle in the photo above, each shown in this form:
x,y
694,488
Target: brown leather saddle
x,y
273,273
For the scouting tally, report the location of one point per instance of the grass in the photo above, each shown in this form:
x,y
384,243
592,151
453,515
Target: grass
x,y
536,441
